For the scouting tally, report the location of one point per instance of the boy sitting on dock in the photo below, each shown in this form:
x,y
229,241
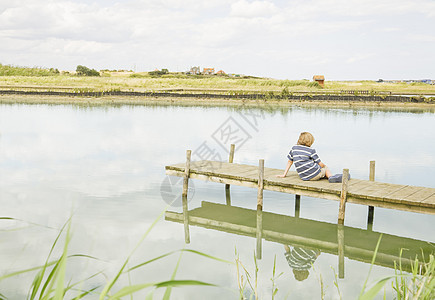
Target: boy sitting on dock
x,y
307,162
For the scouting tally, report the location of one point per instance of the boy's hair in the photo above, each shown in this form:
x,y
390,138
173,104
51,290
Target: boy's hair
x,y
306,139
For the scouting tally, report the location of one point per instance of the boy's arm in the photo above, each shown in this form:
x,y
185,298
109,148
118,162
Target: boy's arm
x,y
322,165
289,164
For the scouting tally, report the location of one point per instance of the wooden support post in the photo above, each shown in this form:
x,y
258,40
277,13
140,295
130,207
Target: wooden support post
x,y
340,240
343,196
184,197
186,220
259,231
371,211
230,160
260,183
186,173
297,205
260,207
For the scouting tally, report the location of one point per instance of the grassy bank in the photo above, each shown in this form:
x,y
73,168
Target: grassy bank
x,y
49,79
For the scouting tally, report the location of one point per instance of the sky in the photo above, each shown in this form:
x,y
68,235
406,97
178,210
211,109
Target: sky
x,y
341,39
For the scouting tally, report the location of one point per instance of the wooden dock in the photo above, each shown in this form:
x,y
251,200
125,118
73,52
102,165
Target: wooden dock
x,y
357,244
365,192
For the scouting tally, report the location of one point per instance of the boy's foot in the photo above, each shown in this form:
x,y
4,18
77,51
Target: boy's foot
x,y
336,178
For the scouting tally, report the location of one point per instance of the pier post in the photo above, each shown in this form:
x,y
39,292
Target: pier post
x,y
260,183
340,240
230,160
343,196
259,231
371,211
297,205
184,197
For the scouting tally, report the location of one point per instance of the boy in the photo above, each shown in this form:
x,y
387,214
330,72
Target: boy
x,y
306,160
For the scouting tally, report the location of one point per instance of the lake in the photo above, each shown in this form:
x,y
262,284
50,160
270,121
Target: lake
x,y
104,167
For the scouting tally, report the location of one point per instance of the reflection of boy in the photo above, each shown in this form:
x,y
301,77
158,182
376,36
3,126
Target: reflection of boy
x,y
300,260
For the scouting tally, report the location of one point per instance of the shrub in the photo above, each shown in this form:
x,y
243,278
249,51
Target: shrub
x,y
85,71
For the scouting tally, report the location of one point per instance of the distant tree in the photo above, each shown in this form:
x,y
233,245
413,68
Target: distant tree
x,y
158,73
85,71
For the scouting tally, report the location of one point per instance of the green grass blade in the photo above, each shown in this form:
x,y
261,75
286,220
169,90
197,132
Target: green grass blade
x,y
168,291
110,284
49,279
27,270
184,250
128,290
208,256
151,260
371,265
370,294
62,267
176,283
84,294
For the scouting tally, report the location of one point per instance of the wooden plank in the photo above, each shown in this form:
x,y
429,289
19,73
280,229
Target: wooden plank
x,y
400,195
420,195
429,202
377,190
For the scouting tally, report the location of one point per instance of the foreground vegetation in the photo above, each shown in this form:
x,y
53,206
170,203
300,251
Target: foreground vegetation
x,y
51,280
51,79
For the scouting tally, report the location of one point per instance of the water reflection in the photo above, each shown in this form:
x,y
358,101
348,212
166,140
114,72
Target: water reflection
x,y
303,240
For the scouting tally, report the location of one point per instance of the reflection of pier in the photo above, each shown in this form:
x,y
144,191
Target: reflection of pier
x,y
353,243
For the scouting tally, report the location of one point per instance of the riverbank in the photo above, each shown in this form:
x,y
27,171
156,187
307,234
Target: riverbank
x,y
212,102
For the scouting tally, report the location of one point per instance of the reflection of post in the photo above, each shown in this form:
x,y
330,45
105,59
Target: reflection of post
x,y
260,207
230,160
297,205
186,173
340,240
228,197
259,232
184,197
371,212
186,221
343,196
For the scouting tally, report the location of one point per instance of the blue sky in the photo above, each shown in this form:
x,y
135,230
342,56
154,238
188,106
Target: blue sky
x,y
342,39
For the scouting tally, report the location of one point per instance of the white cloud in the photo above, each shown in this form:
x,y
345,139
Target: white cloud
x,y
255,9
177,34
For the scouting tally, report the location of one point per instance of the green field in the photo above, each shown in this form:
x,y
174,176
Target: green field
x,y
48,79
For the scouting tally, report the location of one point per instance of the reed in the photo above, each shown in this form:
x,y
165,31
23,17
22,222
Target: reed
x,y
49,281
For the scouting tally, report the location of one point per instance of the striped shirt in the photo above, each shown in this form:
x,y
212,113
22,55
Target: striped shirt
x,y
306,161
300,258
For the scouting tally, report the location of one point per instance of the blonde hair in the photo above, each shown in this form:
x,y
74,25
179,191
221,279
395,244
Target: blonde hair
x,y
306,139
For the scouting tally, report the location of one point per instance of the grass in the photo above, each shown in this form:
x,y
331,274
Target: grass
x,y
49,282
13,77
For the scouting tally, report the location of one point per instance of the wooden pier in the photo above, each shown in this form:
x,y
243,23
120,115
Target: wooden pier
x,y
365,192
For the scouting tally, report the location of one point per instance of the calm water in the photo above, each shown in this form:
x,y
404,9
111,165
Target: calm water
x,y
105,167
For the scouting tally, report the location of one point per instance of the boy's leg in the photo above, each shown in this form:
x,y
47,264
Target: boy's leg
x,y
321,175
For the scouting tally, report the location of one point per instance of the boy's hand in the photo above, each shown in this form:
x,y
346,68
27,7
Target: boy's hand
x,y
280,176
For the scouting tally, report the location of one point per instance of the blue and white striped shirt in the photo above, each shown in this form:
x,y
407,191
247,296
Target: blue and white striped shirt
x,y
300,258
306,161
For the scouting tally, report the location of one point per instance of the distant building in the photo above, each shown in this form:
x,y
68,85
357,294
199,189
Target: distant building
x,y
194,71
220,72
320,79
208,71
